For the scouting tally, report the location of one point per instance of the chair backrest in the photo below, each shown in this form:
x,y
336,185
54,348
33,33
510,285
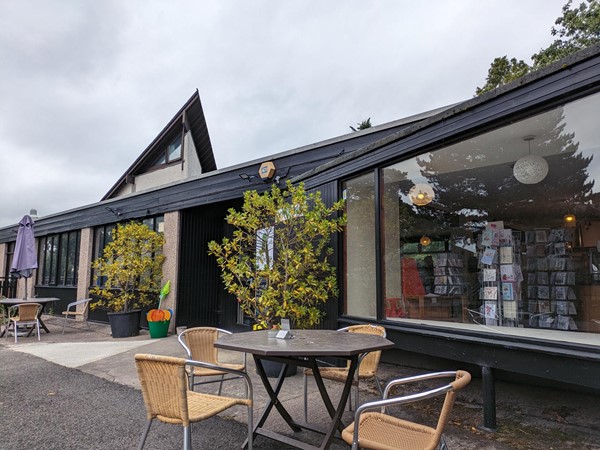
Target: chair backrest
x,y
200,343
28,311
463,378
85,302
370,363
164,384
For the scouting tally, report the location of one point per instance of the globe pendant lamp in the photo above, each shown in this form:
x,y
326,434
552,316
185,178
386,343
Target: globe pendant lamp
x,y
421,194
530,169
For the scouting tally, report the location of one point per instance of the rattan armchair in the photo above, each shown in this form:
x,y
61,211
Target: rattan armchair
x,y
379,431
24,314
199,344
167,396
367,369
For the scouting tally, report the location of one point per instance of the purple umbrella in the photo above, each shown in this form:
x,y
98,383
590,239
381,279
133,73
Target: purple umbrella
x,y
25,256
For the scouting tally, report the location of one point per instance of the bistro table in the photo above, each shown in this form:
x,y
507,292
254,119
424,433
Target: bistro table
x,y
303,350
19,301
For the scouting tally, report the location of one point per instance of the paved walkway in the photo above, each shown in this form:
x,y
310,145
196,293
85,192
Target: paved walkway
x,y
80,390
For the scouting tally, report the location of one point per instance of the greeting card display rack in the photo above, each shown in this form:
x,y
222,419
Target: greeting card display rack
x,y
500,276
550,278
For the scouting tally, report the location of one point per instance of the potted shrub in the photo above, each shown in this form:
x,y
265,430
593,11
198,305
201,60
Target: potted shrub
x,y
276,264
128,276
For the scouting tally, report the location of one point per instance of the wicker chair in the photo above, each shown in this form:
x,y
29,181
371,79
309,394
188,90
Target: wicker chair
x,y
21,315
367,369
72,312
199,345
379,431
167,396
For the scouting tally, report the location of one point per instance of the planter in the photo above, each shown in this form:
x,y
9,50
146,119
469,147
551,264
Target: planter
x,y
125,324
159,329
273,368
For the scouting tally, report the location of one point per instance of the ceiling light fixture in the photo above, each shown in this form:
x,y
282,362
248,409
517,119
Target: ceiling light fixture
x,y
569,220
421,194
425,241
530,169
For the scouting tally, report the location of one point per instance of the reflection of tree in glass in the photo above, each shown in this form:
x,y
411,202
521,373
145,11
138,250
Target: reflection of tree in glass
x,y
489,189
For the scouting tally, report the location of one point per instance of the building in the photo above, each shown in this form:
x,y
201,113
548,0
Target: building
x,y
486,215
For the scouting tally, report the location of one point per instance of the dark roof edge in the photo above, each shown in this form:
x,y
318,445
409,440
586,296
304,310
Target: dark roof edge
x,y
458,108
178,116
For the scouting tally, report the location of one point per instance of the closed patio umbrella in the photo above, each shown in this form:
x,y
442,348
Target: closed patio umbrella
x,y
25,257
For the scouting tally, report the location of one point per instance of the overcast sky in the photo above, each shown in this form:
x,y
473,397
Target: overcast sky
x,y
86,85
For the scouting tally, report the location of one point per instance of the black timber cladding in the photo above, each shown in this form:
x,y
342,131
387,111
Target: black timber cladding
x,y
202,299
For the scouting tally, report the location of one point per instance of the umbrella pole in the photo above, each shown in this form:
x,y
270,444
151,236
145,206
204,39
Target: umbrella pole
x,y
25,289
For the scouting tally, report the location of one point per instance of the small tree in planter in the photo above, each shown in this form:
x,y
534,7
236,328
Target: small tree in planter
x,y
277,262
130,271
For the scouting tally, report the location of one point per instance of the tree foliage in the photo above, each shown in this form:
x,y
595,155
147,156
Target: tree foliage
x,y
129,272
362,125
575,30
277,262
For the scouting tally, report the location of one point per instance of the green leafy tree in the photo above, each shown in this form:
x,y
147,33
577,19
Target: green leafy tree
x,y
129,272
362,125
576,29
277,262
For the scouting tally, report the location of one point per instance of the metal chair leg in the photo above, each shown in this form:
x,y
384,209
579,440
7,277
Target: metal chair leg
x,y
221,384
187,437
144,434
250,426
64,324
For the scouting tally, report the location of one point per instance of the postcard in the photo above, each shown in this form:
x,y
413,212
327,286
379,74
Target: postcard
x,y
488,256
489,275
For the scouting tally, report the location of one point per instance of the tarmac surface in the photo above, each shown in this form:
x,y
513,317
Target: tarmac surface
x,y
80,391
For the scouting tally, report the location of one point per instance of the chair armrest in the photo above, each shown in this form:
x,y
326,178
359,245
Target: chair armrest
x,y
404,399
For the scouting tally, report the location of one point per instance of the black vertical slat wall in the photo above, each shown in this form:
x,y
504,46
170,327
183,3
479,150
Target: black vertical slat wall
x,y
201,293
329,195
202,300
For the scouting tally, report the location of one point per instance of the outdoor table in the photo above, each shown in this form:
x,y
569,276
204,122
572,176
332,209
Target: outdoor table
x,y
303,350
18,301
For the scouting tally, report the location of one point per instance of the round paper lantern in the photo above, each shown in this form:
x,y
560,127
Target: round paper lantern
x,y
530,169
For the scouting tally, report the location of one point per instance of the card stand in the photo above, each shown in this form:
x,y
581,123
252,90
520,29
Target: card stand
x,y
448,283
500,276
550,279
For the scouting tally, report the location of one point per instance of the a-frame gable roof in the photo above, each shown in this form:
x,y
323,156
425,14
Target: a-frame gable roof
x,y
189,118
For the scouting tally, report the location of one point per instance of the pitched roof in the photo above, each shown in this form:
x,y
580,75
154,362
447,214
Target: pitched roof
x,y
189,118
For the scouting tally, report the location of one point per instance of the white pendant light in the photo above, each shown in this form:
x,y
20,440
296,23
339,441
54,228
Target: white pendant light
x,y
530,169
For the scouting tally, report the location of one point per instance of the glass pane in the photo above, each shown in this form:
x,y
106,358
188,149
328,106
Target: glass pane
x,y
174,150
501,230
63,251
359,247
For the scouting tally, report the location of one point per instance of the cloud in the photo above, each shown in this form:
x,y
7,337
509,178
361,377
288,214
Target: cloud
x,y
86,86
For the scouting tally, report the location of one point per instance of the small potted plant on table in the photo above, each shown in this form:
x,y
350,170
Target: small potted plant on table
x,y
128,276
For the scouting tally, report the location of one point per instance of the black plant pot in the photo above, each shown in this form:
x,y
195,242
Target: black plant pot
x,y
273,368
125,324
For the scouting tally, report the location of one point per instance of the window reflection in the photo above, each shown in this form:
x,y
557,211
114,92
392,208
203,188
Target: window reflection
x,y
498,251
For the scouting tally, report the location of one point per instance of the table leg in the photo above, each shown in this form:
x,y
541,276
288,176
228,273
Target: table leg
x,y
336,417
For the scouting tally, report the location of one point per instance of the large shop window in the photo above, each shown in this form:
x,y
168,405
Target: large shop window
x,y
104,234
58,259
499,232
359,247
